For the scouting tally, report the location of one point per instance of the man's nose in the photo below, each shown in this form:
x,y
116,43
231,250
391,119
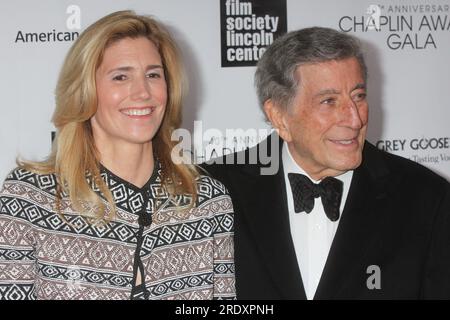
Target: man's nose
x,y
351,115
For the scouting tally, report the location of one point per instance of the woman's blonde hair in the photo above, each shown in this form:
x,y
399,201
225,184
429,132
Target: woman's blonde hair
x,y
74,155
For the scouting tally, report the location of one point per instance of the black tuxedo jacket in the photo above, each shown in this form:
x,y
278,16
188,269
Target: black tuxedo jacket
x,y
396,217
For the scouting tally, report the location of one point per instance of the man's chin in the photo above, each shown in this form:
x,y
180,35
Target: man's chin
x,y
347,164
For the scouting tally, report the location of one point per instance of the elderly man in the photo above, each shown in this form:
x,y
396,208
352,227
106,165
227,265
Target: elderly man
x,y
339,219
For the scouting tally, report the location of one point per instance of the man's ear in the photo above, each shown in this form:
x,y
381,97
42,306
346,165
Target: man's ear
x,y
277,116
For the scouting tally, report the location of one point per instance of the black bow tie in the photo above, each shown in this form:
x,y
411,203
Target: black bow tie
x,y
305,191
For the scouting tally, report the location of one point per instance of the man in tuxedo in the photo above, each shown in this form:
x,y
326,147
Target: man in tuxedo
x,y
339,219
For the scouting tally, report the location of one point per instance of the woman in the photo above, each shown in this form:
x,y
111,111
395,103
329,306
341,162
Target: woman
x,y
109,215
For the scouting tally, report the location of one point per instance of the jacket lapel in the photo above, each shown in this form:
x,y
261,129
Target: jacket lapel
x,y
359,228
267,217
268,221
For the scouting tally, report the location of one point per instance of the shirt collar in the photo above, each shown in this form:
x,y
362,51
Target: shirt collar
x,y
290,166
131,198
112,180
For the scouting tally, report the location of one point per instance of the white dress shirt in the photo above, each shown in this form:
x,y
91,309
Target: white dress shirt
x,y
313,233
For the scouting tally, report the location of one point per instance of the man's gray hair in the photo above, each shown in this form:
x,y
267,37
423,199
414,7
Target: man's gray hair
x,y
275,73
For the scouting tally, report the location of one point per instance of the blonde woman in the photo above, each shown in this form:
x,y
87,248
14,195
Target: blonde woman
x,y
108,215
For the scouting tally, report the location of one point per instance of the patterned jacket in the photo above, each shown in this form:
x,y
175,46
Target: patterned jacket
x,y
182,254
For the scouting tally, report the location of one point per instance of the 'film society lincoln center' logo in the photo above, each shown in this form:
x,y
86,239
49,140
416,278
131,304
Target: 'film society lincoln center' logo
x,y
248,27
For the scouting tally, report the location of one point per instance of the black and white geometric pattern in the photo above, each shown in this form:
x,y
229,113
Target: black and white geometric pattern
x,y
83,275
16,292
187,253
